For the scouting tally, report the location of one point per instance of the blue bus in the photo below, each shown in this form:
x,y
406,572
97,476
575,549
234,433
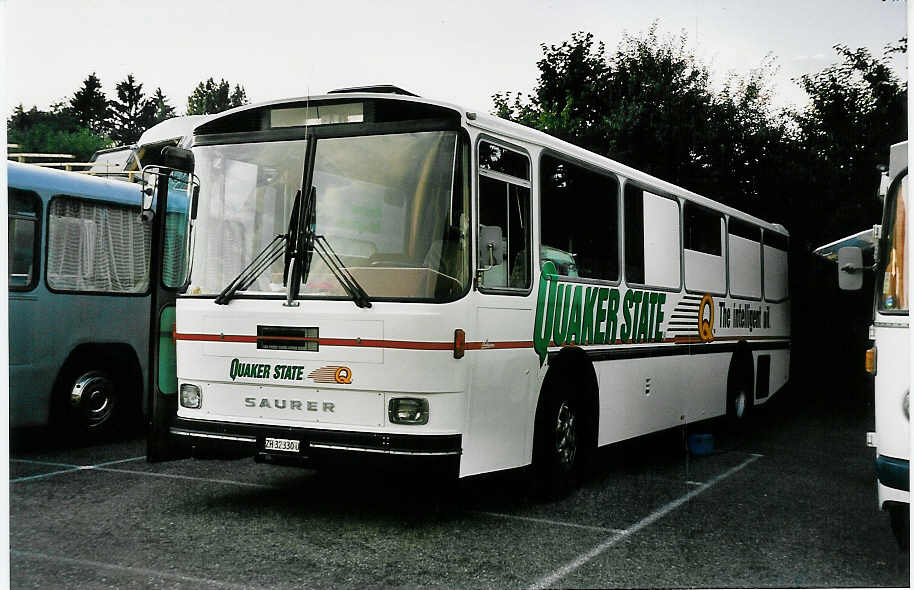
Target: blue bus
x,y
79,300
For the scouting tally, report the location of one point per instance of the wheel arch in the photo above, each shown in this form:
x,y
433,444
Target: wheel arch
x,y
571,367
119,357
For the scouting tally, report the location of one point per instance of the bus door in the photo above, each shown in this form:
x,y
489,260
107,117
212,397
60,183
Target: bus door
x,y
505,306
170,202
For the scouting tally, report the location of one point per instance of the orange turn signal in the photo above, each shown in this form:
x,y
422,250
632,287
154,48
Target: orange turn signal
x,y
459,343
871,361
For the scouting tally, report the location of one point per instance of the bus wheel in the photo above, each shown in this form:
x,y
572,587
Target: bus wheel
x,y
739,403
900,515
558,446
92,402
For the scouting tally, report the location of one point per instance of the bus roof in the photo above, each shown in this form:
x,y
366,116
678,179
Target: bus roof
x,y
516,131
176,128
58,182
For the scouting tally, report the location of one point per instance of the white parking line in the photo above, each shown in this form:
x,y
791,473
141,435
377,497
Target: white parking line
x,y
104,467
69,467
49,463
131,459
136,571
43,475
546,521
187,477
551,580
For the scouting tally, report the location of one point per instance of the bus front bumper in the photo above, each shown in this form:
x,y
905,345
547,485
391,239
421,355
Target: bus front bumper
x,y
893,472
315,445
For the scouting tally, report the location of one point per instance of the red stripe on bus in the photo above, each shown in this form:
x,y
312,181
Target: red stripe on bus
x,y
417,345
354,342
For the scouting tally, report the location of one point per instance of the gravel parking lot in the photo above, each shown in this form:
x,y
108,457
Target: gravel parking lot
x,y
792,503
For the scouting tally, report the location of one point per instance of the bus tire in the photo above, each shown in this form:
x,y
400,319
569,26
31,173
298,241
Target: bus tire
x,y
91,400
740,397
900,515
558,446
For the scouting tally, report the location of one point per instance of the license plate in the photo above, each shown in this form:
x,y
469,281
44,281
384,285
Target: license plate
x,y
281,444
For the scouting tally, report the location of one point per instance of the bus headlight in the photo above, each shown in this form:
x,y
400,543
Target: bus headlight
x,y
190,396
408,410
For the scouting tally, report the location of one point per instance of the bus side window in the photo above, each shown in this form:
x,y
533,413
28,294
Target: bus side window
x,y
24,210
704,251
579,245
774,252
503,236
96,247
652,253
744,261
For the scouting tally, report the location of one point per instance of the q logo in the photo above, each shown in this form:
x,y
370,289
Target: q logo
x,y
343,375
706,319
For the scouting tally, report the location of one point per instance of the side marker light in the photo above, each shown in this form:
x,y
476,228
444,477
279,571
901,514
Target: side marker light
x,y
459,343
871,361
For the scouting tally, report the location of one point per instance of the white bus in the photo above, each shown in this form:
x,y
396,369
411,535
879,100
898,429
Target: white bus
x,y
483,296
888,360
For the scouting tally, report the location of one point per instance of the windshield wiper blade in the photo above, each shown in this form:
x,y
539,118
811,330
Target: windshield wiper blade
x,y
254,269
339,270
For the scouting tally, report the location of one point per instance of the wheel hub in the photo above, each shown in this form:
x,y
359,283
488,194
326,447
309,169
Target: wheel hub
x,y
739,404
566,435
93,396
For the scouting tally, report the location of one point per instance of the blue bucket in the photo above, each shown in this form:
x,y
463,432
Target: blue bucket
x,y
701,444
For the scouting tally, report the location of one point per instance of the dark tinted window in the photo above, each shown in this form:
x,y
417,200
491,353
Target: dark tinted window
x,y
498,159
702,230
24,211
634,234
504,235
581,245
744,230
776,240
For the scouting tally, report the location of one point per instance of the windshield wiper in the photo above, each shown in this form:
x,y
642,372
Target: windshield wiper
x,y
339,270
281,244
306,243
261,262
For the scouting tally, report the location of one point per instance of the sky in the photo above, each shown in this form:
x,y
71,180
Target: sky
x,y
458,51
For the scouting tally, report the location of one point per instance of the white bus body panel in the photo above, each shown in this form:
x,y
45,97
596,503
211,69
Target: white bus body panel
x,y
892,382
376,373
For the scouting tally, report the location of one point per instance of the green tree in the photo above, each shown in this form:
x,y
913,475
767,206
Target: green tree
x,y
132,113
857,108
210,97
163,110
90,107
651,105
56,131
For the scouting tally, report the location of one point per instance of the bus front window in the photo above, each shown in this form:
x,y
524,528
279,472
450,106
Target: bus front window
x,y
394,207
892,294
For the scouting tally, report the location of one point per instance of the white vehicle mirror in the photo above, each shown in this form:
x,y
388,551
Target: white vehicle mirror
x,y
850,268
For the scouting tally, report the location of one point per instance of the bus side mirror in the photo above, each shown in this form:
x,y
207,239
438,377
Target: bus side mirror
x,y
148,190
850,268
177,158
194,201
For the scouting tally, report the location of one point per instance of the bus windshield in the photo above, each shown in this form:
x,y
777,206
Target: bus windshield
x,y
394,208
892,295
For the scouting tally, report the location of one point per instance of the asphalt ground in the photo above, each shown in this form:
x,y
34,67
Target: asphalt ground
x,y
790,503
